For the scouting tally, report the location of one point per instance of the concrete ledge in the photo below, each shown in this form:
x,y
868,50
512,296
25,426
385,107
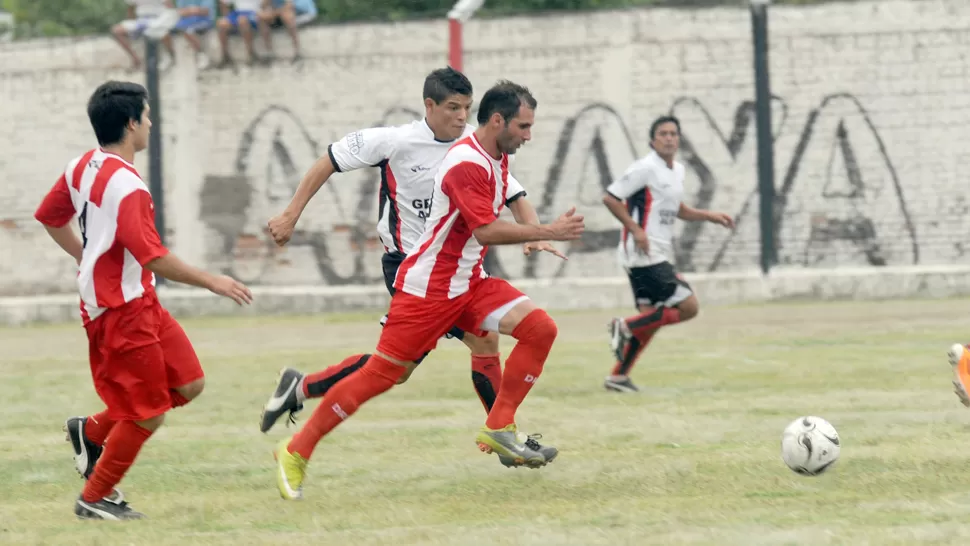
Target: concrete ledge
x,y
555,294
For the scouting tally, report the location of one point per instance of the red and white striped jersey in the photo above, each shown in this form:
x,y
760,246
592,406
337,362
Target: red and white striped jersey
x,y
117,221
471,188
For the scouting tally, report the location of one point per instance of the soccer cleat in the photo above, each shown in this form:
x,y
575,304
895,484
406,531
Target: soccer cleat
x,y
959,356
284,400
531,441
86,452
620,336
505,442
290,471
617,383
113,508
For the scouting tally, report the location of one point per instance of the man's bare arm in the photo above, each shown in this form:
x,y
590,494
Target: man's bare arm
x,y
173,268
524,212
690,214
310,184
65,238
618,209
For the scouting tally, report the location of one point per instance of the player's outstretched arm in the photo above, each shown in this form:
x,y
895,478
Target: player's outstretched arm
x,y
568,227
174,269
281,226
690,214
524,213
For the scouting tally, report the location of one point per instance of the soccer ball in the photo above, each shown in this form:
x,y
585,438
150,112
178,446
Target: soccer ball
x,y
810,445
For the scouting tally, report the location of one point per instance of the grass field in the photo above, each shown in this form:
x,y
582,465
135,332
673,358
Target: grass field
x,y
694,459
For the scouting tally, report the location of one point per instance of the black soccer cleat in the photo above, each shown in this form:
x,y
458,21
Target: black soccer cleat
x,y
113,508
86,452
284,400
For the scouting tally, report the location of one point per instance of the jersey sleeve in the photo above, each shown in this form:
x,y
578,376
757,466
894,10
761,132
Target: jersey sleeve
x,y
467,185
56,209
360,149
136,227
515,190
634,179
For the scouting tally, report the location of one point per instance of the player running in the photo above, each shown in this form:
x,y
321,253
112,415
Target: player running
x,y
408,156
141,360
646,199
442,284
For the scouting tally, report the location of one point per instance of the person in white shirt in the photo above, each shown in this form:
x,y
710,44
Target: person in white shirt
x,y
647,199
408,156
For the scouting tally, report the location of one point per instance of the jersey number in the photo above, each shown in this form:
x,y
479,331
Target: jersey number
x,y
82,221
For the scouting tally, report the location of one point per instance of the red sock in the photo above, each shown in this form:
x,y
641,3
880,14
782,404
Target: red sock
x,y
341,401
97,427
633,351
119,454
652,320
317,384
487,378
535,333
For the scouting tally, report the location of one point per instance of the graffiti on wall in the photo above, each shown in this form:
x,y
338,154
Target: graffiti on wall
x,y
839,199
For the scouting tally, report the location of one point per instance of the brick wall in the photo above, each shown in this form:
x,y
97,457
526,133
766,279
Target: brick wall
x,y
870,130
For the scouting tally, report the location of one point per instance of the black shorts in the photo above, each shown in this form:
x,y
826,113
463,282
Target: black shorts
x,y
390,262
658,285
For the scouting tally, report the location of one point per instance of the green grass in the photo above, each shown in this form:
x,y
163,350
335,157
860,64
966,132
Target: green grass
x,y
694,459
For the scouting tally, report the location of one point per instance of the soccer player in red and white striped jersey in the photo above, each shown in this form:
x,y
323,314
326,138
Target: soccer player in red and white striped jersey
x,y
442,284
141,360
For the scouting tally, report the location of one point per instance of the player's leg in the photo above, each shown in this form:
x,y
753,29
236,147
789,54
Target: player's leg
x,y
486,364
496,306
122,33
134,386
959,357
663,298
413,329
186,380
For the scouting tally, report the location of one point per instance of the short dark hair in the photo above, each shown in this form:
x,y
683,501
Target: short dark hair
x,y
112,105
445,82
504,98
660,121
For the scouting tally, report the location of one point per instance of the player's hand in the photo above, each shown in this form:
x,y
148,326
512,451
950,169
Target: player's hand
x,y
641,240
281,227
542,246
568,227
722,219
232,289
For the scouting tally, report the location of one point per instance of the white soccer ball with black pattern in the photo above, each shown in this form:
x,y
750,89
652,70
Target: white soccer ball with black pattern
x,y
810,445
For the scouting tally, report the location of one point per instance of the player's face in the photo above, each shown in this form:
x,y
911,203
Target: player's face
x,y
666,140
518,131
141,130
449,118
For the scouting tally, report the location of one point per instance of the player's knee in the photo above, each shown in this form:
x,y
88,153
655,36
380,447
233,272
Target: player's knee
x,y
537,327
689,308
118,31
192,390
223,24
152,424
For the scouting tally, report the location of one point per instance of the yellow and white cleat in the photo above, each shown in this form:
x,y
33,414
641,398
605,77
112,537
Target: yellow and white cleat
x,y
290,471
959,356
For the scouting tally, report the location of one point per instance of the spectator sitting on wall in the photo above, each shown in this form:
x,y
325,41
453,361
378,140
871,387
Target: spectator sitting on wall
x,y
244,17
289,14
197,16
140,14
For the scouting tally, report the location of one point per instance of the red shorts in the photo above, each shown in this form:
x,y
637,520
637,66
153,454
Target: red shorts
x,y
415,324
139,353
